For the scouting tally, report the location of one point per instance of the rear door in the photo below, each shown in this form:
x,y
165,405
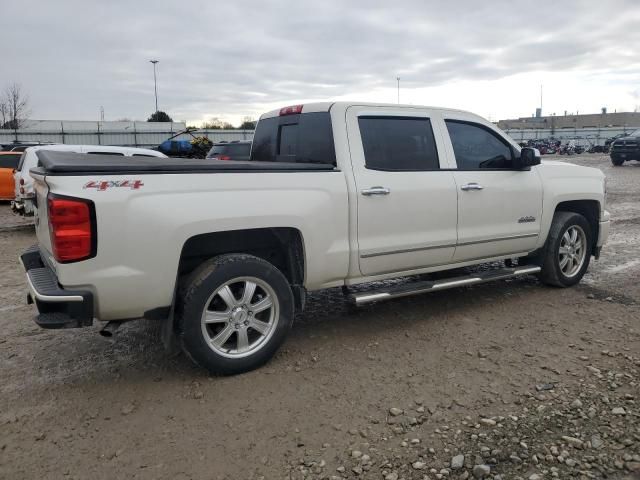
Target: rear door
x,y
407,201
499,208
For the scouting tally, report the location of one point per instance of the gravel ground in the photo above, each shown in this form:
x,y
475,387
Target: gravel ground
x,y
10,221
506,380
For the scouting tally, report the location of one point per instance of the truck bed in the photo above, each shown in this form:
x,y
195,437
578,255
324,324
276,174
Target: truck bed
x,y
67,163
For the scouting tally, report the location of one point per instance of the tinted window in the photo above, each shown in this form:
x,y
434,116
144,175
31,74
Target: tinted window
x,y
477,147
233,150
398,143
9,161
303,138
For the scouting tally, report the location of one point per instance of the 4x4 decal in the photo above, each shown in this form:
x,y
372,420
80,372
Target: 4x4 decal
x,y
102,185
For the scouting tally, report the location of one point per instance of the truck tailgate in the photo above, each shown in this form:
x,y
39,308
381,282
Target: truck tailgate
x,y
41,216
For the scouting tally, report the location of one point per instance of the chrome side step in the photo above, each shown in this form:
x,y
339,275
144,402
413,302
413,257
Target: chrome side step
x,y
417,288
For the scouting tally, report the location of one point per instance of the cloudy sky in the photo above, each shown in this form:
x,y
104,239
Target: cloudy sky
x,y
231,59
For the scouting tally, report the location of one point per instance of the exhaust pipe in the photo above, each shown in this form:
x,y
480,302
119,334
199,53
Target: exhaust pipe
x,y
110,329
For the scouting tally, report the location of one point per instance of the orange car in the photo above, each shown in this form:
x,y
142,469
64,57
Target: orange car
x,y
8,163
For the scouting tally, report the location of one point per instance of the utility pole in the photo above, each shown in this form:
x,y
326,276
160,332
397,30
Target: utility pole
x,y
540,99
155,82
398,79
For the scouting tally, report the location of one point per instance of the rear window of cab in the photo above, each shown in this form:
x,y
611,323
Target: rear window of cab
x,y
9,160
300,138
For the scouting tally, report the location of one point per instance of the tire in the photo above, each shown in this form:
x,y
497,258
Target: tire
x,y
237,339
616,161
553,271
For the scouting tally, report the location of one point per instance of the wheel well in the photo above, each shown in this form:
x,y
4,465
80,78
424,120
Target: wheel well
x,y
282,247
589,209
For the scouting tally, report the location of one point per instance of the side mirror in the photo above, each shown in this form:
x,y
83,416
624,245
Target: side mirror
x,y
529,157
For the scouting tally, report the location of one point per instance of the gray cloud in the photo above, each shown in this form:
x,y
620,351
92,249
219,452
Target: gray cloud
x,y
232,58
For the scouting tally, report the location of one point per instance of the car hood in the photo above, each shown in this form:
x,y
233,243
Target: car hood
x,y
626,139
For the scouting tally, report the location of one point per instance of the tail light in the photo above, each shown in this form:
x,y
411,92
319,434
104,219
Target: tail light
x,y
224,157
72,228
22,181
292,110
21,190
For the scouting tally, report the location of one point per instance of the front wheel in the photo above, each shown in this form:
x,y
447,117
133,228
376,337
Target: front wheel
x,y
617,161
568,250
234,312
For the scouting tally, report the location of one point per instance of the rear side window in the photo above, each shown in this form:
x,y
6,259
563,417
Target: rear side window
x,y
398,143
9,161
476,147
302,138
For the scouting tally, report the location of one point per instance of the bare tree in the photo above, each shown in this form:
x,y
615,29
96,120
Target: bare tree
x,y
17,107
4,113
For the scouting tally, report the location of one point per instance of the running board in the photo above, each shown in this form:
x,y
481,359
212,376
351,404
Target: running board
x,y
417,288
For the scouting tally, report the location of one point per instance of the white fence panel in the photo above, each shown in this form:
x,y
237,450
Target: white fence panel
x,y
135,134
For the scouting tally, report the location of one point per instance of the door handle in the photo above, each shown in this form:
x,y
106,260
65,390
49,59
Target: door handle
x,y
376,191
471,186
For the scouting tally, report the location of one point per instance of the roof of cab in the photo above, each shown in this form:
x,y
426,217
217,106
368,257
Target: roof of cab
x,y
326,106
96,148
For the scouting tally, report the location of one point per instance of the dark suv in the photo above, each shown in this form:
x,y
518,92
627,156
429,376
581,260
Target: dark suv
x,y
625,148
236,150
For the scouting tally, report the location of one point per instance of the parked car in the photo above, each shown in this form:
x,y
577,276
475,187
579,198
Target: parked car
x,y
335,195
21,146
8,164
235,150
625,148
23,183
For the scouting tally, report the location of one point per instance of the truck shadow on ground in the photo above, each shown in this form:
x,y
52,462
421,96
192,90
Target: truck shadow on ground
x,y
136,351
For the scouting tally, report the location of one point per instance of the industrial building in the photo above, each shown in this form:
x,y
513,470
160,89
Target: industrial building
x,y
622,120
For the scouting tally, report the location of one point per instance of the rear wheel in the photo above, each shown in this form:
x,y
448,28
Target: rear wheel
x,y
234,313
568,250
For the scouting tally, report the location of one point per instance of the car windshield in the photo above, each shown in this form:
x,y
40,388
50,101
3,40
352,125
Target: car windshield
x,y
635,134
21,161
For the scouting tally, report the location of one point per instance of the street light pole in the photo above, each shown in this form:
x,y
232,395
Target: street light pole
x,y
155,82
398,79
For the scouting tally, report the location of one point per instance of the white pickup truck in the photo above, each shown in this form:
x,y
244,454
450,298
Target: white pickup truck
x,y
335,194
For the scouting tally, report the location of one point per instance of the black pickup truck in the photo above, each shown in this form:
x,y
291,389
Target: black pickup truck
x,y
625,148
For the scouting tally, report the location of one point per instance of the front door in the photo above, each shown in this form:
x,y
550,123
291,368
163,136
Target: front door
x,y
406,201
499,208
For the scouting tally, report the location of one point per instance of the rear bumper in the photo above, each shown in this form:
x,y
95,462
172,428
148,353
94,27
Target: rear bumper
x,y
23,206
57,307
627,154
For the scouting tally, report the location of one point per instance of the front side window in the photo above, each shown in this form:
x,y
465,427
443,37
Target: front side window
x,y
476,147
398,143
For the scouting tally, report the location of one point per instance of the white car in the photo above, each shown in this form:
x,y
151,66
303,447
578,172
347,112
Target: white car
x,y
335,195
24,193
